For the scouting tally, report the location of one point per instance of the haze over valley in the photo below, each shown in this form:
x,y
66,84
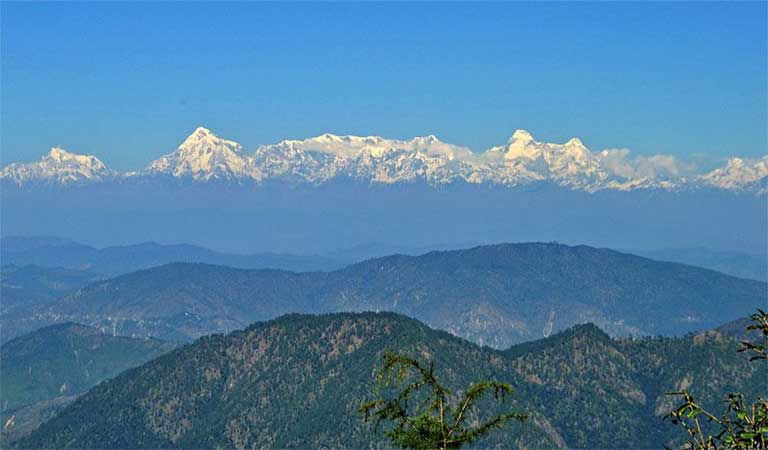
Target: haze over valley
x,y
330,193
412,225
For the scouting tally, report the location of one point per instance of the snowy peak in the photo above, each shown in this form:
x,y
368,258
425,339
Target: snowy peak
x,y
523,145
59,166
371,159
57,156
366,146
521,136
203,156
575,142
520,145
525,160
202,132
739,174
203,138
427,140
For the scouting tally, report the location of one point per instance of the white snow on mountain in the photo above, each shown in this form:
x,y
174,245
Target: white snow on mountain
x,y
203,156
372,158
523,160
739,174
58,166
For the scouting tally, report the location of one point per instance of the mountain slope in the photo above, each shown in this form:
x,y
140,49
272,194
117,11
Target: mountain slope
x,y
503,294
26,289
30,286
625,382
497,295
297,382
54,364
182,301
743,265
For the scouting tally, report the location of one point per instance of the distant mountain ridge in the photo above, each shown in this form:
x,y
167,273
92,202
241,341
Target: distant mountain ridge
x,y
495,295
26,287
205,157
298,381
116,260
738,264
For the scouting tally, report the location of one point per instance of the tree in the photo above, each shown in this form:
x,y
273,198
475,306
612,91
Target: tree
x,y
742,426
421,411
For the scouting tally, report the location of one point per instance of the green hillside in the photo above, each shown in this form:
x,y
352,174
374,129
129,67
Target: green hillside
x,y
61,362
296,382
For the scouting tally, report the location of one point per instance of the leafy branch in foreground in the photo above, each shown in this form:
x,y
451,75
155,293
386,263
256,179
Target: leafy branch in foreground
x,y
759,350
742,426
421,411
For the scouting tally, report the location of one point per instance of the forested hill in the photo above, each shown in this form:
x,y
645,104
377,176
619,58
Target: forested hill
x,y
496,295
47,368
298,381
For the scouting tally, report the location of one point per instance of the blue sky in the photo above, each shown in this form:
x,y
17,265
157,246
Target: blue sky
x,y
129,81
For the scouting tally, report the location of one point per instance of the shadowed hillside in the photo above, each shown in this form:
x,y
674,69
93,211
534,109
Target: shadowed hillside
x,y
496,295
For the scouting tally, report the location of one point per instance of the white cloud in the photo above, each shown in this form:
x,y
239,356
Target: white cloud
x,y
620,162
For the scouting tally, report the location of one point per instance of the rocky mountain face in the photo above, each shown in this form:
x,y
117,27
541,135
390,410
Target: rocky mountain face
x,y
298,381
46,369
522,161
494,295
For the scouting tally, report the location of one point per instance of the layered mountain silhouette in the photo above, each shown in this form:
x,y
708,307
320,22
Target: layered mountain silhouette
x,y
494,295
118,260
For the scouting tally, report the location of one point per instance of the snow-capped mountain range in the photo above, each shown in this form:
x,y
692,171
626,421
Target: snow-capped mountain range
x,y
205,157
58,166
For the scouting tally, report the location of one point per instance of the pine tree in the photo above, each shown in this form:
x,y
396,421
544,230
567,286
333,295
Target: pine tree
x,y
419,412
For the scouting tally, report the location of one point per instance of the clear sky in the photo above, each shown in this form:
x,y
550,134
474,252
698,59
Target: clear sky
x,y
129,81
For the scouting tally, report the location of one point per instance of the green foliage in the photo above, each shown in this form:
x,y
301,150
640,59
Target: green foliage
x,y
741,426
757,350
433,422
297,382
